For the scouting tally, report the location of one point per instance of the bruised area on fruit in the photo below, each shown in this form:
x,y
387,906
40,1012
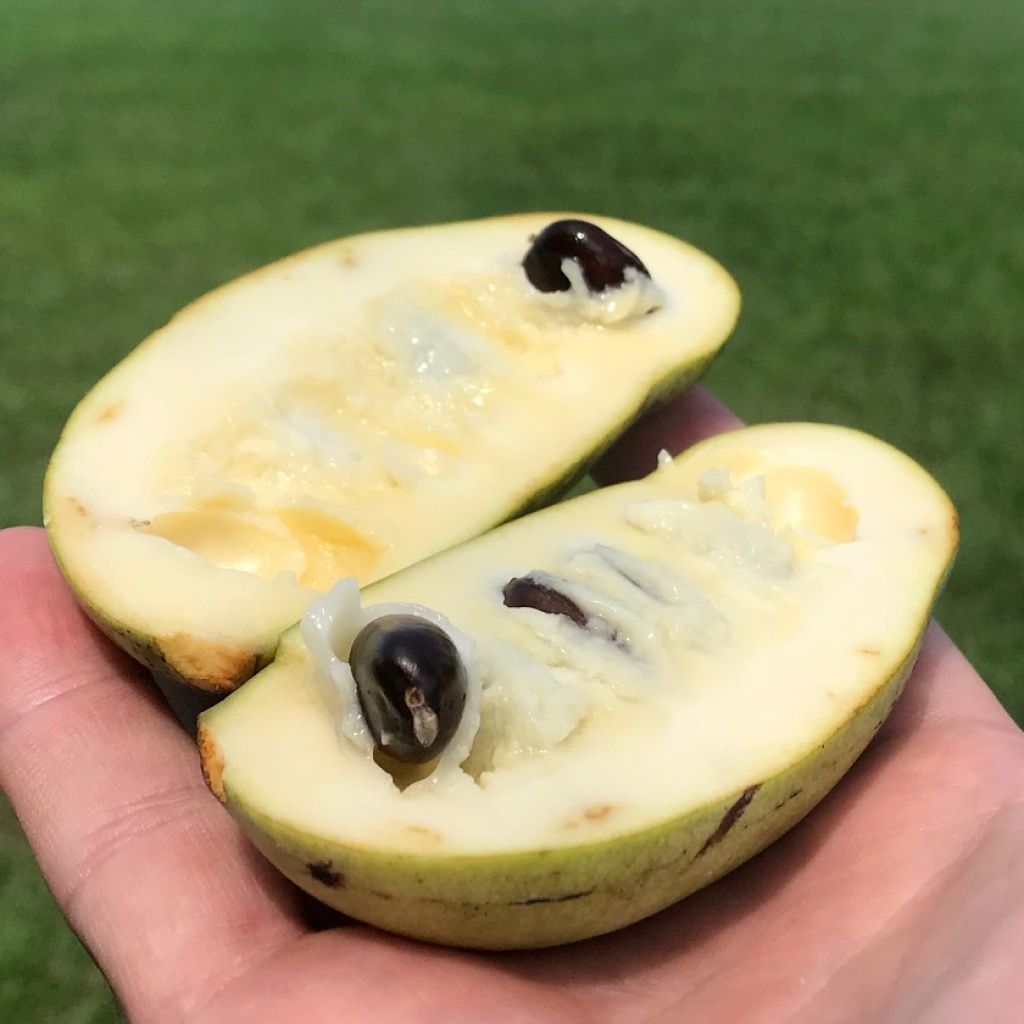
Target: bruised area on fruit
x,y
212,667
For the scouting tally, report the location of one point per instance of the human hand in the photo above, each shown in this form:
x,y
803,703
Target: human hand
x,y
900,899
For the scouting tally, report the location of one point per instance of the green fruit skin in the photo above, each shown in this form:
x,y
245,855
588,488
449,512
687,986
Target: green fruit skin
x,y
549,897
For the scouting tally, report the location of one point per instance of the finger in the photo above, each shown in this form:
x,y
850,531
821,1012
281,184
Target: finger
x,y
147,867
682,422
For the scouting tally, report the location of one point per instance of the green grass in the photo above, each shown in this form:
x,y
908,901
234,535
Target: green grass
x,y
858,166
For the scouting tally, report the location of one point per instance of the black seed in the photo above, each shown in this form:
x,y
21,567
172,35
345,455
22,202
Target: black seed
x,y
602,260
529,592
411,684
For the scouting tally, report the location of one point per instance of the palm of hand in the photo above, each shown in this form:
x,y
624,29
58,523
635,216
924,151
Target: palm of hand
x,y
900,899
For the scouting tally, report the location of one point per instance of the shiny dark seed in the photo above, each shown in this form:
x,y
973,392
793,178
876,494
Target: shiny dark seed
x,y
603,260
530,592
536,590
411,684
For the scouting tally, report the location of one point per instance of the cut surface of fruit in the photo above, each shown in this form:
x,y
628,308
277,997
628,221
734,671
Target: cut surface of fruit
x,y
664,676
349,411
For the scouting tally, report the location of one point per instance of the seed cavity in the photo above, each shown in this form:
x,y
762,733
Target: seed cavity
x,y
602,259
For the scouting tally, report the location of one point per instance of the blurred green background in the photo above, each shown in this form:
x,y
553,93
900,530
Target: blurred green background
x,y
859,166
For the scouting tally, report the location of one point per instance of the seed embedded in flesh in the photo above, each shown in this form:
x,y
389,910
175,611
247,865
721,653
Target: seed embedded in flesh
x,y
537,590
411,683
531,592
602,259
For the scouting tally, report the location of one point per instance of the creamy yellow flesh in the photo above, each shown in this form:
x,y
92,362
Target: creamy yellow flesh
x,y
351,410
785,573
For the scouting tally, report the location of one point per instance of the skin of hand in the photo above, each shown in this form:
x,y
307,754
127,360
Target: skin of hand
x,y
900,899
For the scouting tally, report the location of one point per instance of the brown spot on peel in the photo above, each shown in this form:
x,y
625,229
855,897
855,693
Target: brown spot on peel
x,y
209,666
110,413
212,761
551,899
593,813
729,819
324,873
423,832
792,796
872,651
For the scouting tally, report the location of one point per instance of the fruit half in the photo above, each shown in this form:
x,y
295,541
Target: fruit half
x,y
664,676
349,411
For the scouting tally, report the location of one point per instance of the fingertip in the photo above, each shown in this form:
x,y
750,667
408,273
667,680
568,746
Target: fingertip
x,y
23,550
30,578
675,426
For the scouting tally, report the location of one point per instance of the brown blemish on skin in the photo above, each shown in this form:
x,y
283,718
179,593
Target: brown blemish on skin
x,y
785,800
78,508
212,761
348,258
598,812
324,873
425,833
209,666
873,651
110,413
594,813
550,899
731,816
